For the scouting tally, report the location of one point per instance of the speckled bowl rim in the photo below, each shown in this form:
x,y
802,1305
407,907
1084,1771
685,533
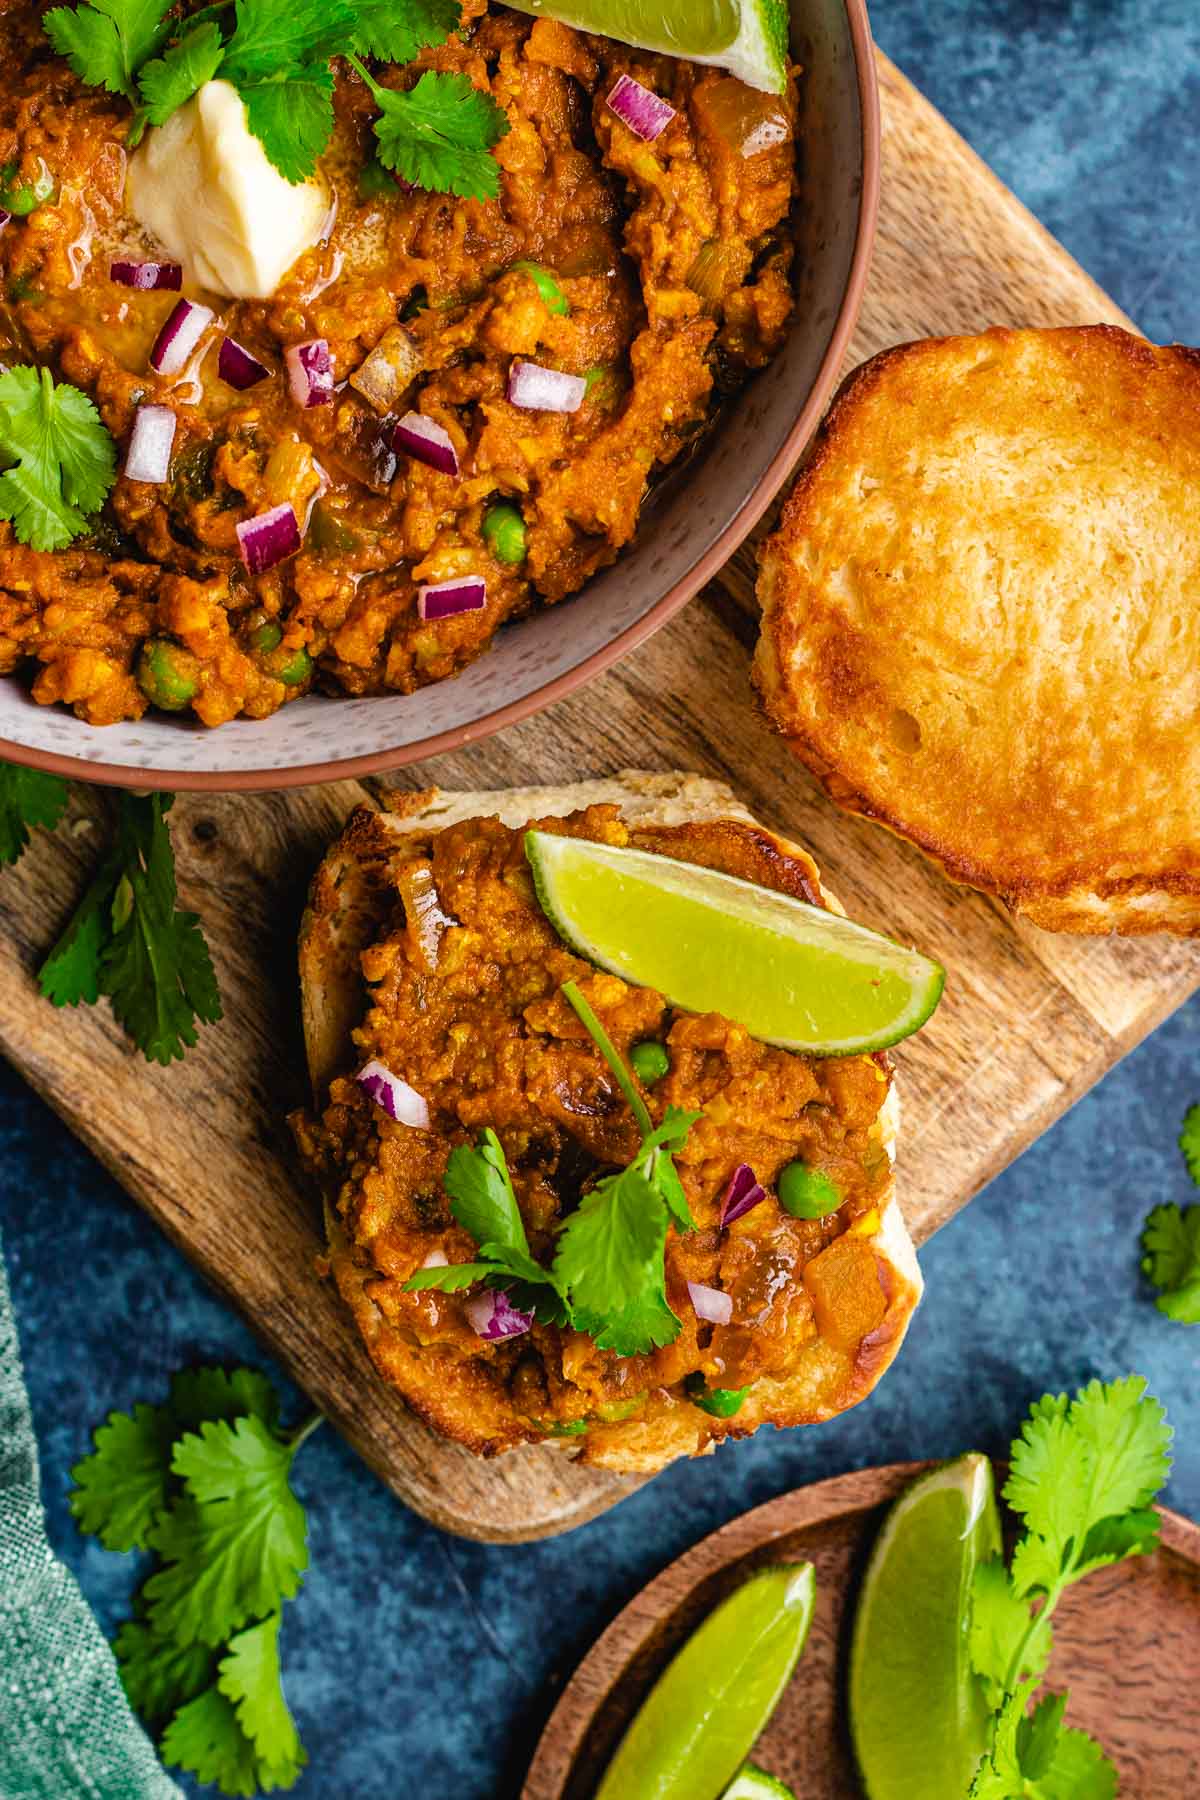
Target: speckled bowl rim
x,y
380,762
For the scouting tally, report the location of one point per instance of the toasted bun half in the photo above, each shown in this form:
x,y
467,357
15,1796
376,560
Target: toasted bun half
x,y
981,618
461,1397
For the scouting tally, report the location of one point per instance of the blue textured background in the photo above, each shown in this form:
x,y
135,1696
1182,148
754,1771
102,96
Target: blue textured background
x,y
418,1664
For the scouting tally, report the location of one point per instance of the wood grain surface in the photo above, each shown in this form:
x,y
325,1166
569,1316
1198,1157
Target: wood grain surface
x,y
1127,1647
1028,1023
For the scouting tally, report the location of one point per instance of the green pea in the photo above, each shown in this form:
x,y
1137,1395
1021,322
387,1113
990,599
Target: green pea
x,y
266,637
807,1193
555,300
289,666
168,675
23,197
650,1061
504,533
722,1403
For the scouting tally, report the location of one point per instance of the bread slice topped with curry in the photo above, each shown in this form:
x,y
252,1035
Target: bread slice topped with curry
x,y
565,1204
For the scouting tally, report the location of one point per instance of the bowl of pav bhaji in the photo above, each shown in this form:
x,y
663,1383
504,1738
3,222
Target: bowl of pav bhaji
x,y
373,377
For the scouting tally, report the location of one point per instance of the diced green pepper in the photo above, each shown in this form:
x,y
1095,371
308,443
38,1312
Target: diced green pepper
x,y
504,533
611,1412
552,295
722,1403
326,531
167,674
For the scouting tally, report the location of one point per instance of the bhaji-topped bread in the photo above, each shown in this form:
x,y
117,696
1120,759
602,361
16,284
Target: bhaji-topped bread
x,y
425,950
981,618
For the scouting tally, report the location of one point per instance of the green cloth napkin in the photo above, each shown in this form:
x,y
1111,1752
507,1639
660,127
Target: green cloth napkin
x,y
65,1725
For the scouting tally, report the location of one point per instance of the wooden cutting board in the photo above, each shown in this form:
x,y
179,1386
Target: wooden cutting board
x,y
1029,1021
1126,1647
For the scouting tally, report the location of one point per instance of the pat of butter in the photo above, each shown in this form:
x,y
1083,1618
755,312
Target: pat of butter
x,y
202,183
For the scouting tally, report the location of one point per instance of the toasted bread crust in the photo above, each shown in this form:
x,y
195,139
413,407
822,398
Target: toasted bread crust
x,y
981,618
454,1396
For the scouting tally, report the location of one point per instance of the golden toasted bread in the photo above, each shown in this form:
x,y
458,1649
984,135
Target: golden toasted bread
x,y
464,1389
981,618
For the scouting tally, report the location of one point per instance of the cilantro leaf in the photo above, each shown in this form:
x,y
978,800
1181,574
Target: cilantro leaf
x,y
274,37
249,1677
439,134
64,461
396,33
128,940
106,41
610,1261
1171,1241
1189,1142
1128,1440
481,1193
451,1278
159,1676
27,797
170,80
292,117
127,1481
235,1546
122,1487
1000,1641
205,1738
1079,1770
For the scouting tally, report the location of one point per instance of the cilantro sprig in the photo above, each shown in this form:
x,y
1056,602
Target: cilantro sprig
x,y
438,134
1083,1475
62,460
203,1481
128,940
27,799
607,1277
1171,1240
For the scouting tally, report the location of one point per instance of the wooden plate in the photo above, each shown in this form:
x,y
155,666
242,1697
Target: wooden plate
x,y
1127,1645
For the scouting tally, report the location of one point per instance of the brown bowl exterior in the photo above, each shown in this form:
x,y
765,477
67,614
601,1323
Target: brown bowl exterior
x,y
691,528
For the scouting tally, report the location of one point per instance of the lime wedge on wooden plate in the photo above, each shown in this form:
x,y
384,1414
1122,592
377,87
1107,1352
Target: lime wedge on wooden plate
x,y
747,37
917,1716
792,974
709,1704
755,1784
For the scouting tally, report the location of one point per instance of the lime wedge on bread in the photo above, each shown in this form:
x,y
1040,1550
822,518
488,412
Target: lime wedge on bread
x,y
749,38
701,1717
794,975
917,1718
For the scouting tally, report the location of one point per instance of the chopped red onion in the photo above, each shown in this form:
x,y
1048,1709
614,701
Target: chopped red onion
x,y
310,372
544,390
147,275
644,113
236,366
445,599
427,441
398,1100
710,1303
267,539
493,1316
179,336
744,1191
149,455
5,218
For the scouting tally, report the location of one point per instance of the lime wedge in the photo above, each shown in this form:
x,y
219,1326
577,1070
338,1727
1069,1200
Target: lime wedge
x,y
707,1707
917,1716
747,37
756,1784
792,974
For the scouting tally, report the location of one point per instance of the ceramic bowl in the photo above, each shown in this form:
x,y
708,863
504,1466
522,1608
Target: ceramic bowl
x,y
692,526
